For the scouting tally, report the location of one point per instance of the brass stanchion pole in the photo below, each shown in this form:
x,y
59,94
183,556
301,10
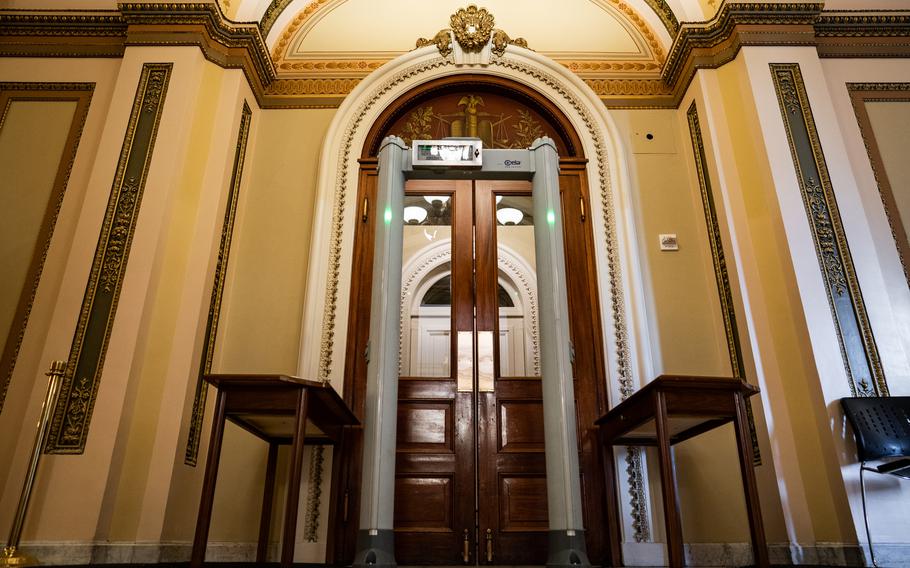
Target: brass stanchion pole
x,y
12,556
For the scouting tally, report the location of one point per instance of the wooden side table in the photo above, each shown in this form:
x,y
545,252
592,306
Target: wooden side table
x,y
280,410
666,411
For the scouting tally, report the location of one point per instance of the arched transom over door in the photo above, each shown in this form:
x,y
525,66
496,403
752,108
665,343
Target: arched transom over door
x,y
470,467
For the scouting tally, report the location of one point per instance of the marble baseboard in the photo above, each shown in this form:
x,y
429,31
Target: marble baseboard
x,y
76,553
634,554
740,554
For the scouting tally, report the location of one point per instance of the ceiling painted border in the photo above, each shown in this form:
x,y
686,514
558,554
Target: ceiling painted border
x,y
277,7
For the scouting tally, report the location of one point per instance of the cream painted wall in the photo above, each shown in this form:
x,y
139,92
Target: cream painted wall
x,y
766,479
884,285
125,495
44,341
261,315
826,89
790,379
141,424
86,513
261,310
890,125
32,137
684,314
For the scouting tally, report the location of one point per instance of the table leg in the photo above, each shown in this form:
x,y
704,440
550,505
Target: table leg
x,y
675,552
293,493
267,495
614,531
753,506
203,521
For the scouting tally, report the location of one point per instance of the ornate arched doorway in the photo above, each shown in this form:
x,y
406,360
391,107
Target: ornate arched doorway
x,y
470,473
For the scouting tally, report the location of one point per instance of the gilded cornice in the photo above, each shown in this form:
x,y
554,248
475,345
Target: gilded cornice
x,y
325,82
229,44
713,43
854,33
62,33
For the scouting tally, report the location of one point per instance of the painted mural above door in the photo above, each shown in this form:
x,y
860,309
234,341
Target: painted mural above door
x,y
498,121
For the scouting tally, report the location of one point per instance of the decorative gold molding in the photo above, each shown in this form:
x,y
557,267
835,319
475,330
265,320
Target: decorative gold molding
x,y
288,33
442,40
331,67
854,33
472,28
860,94
271,14
325,83
211,324
314,494
72,416
228,44
309,70
81,94
711,44
666,15
657,49
854,332
62,33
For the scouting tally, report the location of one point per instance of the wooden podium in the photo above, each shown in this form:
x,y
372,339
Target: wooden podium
x,y
280,410
668,410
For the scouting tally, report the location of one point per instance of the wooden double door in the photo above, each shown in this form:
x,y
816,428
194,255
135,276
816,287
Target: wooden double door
x,y
470,467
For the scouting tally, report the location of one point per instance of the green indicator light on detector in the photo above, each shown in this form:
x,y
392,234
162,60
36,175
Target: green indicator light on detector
x,y
388,215
551,217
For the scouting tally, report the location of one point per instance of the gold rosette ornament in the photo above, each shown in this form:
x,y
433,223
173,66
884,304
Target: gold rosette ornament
x,y
472,27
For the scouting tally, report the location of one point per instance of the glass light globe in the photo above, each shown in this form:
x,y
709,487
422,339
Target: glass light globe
x,y
509,216
414,214
431,198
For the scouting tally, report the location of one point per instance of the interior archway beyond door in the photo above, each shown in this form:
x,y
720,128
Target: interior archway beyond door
x,y
510,112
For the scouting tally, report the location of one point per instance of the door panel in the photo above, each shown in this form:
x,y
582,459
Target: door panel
x,y
470,452
434,472
511,461
520,426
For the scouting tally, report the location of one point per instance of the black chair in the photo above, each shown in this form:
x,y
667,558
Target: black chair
x,y
881,426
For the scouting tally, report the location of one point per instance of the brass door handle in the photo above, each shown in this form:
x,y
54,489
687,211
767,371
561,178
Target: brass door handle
x,y
489,545
466,553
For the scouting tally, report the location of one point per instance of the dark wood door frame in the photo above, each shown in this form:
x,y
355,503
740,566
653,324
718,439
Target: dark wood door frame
x,y
589,365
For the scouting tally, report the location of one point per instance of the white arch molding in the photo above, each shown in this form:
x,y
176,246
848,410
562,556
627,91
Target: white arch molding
x,y
622,308
416,278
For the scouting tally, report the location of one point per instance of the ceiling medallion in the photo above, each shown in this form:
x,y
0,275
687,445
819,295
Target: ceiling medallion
x,y
473,29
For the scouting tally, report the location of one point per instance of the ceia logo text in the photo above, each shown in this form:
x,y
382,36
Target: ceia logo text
x,y
511,163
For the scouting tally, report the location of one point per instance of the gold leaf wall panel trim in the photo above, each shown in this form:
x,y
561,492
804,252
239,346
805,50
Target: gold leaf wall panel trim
x,y
854,332
81,94
72,415
211,324
860,94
